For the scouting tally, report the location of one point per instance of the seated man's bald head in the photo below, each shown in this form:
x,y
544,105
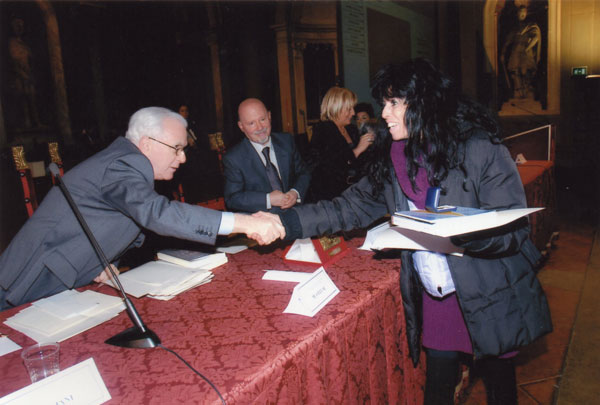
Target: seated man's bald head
x,y
254,120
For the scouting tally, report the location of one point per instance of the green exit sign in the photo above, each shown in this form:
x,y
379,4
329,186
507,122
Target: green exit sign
x,y
580,71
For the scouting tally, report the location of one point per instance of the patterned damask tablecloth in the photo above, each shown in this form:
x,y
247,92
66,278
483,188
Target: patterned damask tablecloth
x,y
540,189
233,331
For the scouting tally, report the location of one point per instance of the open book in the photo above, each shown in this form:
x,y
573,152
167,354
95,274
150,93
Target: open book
x,y
463,220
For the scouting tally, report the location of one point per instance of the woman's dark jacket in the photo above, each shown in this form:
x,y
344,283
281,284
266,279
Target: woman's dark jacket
x,y
331,159
501,299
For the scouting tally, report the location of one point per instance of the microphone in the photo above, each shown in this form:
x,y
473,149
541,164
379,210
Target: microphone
x,y
138,336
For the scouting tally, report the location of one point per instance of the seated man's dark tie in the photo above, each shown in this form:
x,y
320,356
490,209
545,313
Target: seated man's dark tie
x,y
272,171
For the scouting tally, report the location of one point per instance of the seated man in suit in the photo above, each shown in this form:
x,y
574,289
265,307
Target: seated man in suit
x,y
265,170
114,189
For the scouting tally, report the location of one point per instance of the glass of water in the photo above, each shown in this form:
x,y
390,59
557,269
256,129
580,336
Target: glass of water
x,y
41,360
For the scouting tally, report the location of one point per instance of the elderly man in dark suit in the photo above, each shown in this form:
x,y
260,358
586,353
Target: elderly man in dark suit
x,y
114,190
265,170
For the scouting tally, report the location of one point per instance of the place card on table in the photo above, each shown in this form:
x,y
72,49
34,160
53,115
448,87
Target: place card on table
x,y
312,294
80,384
321,251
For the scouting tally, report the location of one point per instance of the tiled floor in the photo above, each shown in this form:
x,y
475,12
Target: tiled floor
x,y
539,366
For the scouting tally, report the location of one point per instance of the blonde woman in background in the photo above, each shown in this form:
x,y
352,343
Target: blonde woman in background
x,y
335,145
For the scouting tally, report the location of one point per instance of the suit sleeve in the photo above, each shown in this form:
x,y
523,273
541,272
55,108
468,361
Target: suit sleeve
x,y
357,207
237,198
127,189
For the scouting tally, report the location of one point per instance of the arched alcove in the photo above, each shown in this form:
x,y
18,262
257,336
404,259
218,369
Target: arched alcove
x,y
548,103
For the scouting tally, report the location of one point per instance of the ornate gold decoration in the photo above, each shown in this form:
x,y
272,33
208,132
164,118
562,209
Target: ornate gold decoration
x,y
53,151
216,141
19,157
327,242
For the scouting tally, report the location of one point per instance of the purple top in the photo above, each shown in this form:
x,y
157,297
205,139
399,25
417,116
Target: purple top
x,y
443,324
444,327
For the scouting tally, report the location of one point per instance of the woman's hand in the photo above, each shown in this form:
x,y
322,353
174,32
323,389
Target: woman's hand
x,y
365,141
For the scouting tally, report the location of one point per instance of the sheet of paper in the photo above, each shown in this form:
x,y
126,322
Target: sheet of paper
x,y
65,333
282,275
41,325
41,321
460,225
232,249
385,236
303,250
372,235
7,346
61,304
311,295
80,384
156,272
101,302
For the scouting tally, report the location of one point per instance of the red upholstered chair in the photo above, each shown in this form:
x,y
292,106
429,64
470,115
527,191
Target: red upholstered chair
x,y
216,204
29,172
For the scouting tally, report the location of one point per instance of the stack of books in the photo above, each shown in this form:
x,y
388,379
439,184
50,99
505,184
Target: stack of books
x,y
57,318
176,271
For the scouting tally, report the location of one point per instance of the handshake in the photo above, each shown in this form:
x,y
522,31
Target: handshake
x,y
263,227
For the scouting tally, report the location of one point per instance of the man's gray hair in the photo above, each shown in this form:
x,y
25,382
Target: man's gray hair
x,y
149,122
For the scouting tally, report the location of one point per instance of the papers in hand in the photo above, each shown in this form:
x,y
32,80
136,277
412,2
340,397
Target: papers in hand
x,y
66,314
161,280
192,259
463,220
384,236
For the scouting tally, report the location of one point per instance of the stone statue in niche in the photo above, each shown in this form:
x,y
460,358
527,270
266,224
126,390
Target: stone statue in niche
x,y
23,81
520,56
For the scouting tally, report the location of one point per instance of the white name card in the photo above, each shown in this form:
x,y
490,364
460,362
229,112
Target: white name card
x,y
312,294
80,384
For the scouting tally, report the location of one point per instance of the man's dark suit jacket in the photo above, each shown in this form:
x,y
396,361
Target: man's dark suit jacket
x,y
246,181
114,190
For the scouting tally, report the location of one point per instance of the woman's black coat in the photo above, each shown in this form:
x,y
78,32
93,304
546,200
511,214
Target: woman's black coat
x,y
501,299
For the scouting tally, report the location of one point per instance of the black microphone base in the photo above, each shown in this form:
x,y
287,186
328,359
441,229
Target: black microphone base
x,y
135,338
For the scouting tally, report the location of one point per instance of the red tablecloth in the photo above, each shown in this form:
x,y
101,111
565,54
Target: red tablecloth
x,y
540,189
234,332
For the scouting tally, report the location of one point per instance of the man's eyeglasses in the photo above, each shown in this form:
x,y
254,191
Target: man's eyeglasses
x,y
178,149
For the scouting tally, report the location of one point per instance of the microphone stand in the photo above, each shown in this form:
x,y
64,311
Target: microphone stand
x,y
138,336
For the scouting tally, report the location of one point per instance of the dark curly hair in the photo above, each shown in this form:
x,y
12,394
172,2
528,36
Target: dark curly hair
x,y
439,119
364,107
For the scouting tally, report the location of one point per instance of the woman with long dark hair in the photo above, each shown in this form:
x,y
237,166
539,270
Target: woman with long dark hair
x,y
489,302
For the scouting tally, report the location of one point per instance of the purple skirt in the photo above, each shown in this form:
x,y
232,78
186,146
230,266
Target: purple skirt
x,y
444,327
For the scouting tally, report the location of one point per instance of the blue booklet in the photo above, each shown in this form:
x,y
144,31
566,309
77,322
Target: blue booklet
x,y
433,217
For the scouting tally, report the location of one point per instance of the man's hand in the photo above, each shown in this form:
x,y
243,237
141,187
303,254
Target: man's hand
x,y
291,197
283,201
277,198
262,227
105,275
